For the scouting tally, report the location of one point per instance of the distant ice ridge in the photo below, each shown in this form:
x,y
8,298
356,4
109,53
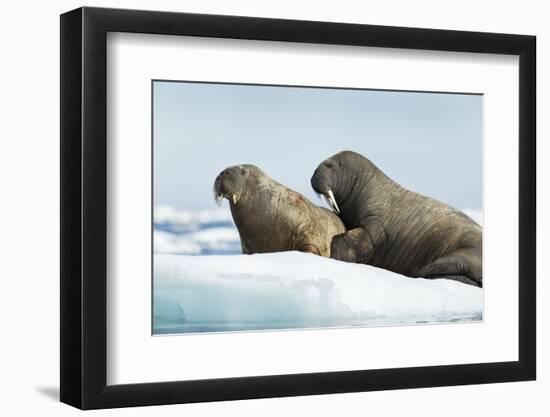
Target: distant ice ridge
x,y
220,240
294,289
202,232
165,242
187,219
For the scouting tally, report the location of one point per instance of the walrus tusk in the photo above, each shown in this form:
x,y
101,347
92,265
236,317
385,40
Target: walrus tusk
x,y
332,201
218,198
234,198
329,203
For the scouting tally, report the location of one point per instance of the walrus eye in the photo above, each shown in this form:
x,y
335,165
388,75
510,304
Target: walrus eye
x,y
244,171
329,165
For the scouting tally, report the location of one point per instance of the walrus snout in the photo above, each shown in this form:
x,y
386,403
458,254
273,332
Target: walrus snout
x,y
230,183
321,184
224,187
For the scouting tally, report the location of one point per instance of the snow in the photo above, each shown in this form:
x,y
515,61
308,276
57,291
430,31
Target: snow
x,y
294,289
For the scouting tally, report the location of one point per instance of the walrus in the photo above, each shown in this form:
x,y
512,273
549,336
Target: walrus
x,y
273,218
394,228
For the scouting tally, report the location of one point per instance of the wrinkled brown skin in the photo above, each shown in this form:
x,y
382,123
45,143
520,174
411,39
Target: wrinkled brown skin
x,y
393,228
273,218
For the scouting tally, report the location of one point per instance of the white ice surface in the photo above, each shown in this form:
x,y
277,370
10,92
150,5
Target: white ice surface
x,y
294,289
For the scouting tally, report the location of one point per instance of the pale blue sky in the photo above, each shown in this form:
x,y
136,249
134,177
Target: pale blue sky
x,y
429,143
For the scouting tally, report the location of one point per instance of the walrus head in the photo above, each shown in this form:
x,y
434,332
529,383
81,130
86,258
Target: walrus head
x,y
334,178
231,183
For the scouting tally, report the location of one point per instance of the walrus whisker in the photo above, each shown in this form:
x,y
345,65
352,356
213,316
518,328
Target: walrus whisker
x,y
218,198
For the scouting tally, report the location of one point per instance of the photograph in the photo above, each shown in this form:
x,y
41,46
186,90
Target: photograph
x,y
280,207
264,206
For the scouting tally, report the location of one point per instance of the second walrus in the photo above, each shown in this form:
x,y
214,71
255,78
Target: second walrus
x,y
273,218
393,228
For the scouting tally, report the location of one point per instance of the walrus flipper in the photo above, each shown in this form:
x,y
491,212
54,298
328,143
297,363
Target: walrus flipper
x,y
355,246
456,266
308,248
244,247
460,278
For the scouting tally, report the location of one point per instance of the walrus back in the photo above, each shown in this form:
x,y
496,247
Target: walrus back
x,y
277,219
420,230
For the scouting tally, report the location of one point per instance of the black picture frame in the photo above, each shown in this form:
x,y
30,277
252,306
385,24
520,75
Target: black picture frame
x,y
84,207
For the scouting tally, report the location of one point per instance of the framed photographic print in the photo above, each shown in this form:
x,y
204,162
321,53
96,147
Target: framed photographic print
x,y
197,263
